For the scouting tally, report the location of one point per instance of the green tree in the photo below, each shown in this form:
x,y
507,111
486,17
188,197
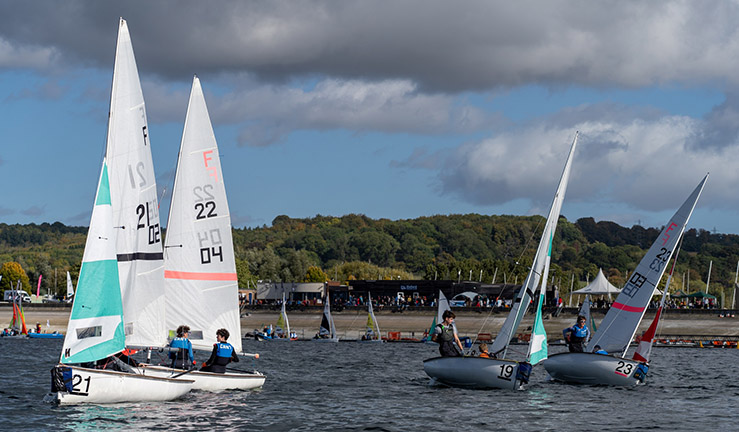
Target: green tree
x,y
12,272
315,274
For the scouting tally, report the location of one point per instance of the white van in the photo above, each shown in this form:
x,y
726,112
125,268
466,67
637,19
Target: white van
x,y
9,294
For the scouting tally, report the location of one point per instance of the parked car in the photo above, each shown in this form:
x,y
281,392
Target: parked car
x,y
10,294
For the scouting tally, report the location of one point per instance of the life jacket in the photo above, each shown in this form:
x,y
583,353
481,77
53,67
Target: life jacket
x,y
446,334
578,334
484,355
179,348
223,353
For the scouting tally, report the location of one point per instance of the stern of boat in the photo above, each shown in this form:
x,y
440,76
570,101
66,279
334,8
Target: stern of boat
x,y
595,369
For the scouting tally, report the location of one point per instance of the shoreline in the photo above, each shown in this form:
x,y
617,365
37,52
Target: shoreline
x,y
350,323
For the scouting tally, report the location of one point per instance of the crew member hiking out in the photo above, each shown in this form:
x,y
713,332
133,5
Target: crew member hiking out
x,y
223,354
445,334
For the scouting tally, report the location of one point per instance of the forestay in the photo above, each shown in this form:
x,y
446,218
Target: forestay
x,y
540,266
620,323
95,327
200,268
134,201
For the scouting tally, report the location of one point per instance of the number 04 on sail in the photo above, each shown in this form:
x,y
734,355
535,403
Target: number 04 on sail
x,y
199,265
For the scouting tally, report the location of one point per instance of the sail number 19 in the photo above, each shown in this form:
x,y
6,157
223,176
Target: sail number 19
x,y
506,371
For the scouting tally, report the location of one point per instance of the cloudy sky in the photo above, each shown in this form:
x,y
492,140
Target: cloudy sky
x,y
391,109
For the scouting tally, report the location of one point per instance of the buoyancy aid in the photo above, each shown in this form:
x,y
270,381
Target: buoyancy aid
x,y
224,351
446,333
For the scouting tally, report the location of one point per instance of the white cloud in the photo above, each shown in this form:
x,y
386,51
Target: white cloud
x,y
268,113
647,165
18,56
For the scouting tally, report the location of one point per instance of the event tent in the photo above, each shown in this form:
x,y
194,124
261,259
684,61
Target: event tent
x,y
599,286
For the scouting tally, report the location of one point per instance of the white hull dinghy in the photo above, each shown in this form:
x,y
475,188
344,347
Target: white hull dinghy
x,y
503,373
210,381
201,283
622,320
76,385
477,372
116,301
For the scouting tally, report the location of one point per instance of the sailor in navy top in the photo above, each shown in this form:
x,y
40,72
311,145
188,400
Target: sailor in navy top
x,y
223,354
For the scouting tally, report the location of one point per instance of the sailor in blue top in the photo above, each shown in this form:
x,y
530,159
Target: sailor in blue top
x,y
223,354
180,349
577,335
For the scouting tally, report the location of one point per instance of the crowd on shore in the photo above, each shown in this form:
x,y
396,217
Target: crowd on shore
x,y
479,302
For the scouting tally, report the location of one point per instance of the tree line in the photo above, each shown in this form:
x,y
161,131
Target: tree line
x,y
478,247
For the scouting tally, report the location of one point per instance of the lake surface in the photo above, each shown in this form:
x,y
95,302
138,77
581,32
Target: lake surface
x,y
370,387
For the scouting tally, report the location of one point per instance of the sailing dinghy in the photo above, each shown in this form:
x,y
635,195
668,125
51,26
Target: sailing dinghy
x,y
117,303
372,332
201,287
478,372
327,331
622,320
70,288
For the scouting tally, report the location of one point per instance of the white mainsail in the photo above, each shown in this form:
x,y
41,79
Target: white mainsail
x,y
540,265
327,329
135,206
623,318
585,312
199,268
372,325
70,287
95,327
282,322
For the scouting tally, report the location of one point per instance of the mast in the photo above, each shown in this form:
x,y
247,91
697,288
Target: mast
x,y
539,265
736,281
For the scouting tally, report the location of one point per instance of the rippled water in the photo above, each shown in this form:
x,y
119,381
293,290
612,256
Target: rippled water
x,y
370,387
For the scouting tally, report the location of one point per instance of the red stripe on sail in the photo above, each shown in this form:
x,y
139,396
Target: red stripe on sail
x,y
168,274
625,308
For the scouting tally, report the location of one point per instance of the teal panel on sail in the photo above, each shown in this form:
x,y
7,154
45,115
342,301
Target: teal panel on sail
x,y
539,350
98,292
103,197
101,350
